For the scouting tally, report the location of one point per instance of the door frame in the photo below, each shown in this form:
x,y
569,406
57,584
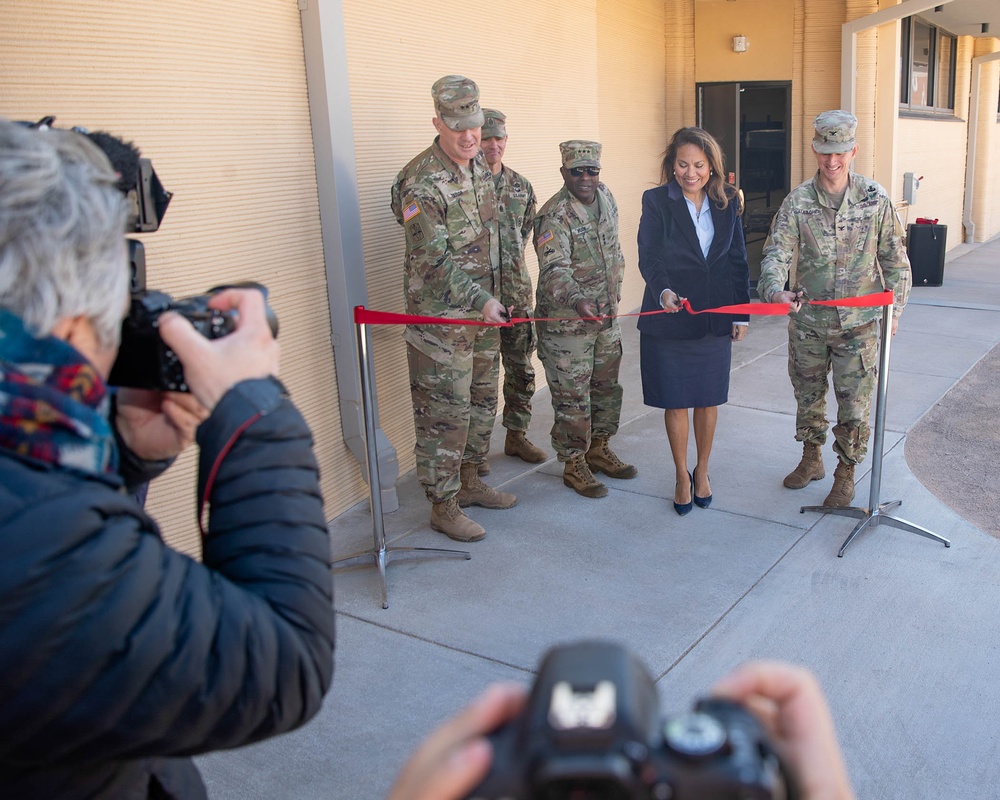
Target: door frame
x,y
735,165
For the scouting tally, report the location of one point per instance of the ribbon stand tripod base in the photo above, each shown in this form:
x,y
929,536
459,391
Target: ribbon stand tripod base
x,y
379,554
875,514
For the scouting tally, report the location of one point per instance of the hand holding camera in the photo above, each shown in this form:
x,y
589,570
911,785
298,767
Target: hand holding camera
x,y
790,704
157,426
213,366
591,730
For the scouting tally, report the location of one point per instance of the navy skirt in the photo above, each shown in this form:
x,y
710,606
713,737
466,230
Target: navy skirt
x,y
685,373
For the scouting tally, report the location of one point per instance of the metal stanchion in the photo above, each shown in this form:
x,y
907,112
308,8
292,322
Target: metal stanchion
x,y
379,554
875,515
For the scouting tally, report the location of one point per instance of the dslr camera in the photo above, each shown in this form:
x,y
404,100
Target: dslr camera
x,y
592,731
144,361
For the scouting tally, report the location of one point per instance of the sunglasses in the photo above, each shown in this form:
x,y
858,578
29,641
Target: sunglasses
x,y
577,172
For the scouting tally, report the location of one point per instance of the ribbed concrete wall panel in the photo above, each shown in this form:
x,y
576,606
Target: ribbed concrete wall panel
x,y
215,94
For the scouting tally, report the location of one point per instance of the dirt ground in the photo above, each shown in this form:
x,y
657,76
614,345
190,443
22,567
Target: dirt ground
x,y
954,450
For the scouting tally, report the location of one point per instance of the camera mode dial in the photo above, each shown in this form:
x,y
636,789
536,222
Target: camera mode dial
x,y
694,735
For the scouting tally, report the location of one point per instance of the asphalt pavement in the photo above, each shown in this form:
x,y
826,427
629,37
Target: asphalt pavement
x,y
901,630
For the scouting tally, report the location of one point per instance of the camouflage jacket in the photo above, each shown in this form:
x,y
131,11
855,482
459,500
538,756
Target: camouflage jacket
x,y
861,253
516,204
578,259
452,238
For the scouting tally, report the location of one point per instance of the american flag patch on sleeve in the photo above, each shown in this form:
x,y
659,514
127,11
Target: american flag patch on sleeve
x,y
410,211
545,237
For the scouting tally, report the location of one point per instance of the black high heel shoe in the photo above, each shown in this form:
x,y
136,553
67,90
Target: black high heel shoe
x,y
685,508
701,502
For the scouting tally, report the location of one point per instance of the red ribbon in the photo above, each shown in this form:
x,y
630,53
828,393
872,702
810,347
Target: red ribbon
x,y
362,316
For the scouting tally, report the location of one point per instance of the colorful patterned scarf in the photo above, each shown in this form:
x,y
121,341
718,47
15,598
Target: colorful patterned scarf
x,y
53,403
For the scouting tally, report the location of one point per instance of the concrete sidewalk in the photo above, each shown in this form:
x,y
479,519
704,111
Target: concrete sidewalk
x,y
902,631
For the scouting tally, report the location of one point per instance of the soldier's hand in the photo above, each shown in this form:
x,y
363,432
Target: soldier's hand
x,y
794,300
587,308
895,325
494,311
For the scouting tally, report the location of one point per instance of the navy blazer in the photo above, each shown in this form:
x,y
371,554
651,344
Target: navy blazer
x,y
670,257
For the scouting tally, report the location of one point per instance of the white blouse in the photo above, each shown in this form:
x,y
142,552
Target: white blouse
x,y
703,224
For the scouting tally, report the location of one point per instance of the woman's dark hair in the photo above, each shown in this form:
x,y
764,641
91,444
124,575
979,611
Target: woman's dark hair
x,y
718,190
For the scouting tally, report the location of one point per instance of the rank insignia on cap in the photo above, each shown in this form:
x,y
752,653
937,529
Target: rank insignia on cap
x,y
410,212
545,237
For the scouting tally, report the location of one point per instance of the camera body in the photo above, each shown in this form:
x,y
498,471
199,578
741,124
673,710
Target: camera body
x,y
144,361
592,731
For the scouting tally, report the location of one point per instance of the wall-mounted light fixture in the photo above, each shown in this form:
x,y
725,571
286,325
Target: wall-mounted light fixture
x,y
740,44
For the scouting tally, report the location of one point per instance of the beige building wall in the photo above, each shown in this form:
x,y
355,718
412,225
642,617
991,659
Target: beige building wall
x,y
589,69
818,56
215,94
935,149
680,64
767,25
986,188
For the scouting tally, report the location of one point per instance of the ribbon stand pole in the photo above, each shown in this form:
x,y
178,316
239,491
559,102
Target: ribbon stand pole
x,y
379,553
875,515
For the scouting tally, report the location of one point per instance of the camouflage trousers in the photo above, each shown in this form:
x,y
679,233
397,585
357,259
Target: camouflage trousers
x,y
517,343
454,408
582,372
851,355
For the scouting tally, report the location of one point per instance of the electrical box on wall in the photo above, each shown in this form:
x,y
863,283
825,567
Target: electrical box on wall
x,y
740,44
910,185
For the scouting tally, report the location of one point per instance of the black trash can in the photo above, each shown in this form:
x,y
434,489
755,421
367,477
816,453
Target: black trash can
x,y
925,245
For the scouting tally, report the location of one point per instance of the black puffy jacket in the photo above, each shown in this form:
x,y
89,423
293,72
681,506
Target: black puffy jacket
x,y
119,656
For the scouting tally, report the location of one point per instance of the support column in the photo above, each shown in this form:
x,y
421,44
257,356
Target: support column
x,y
324,42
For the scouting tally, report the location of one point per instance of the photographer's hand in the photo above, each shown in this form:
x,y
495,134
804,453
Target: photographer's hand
x,y
455,758
790,705
213,366
157,425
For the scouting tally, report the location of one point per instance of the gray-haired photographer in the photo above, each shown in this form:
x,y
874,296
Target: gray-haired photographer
x,y
121,657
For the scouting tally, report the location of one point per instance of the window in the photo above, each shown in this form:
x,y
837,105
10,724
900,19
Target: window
x,y
927,67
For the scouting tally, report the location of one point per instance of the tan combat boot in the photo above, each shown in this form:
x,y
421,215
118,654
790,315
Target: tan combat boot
x,y
484,469
810,468
517,444
842,492
476,493
601,458
578,477
448,518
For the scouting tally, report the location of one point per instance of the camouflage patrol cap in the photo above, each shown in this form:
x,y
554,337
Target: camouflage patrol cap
x,y
456,100
493,127
579,153
834,132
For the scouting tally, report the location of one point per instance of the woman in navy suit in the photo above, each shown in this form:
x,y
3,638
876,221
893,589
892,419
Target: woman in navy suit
x,y
691,247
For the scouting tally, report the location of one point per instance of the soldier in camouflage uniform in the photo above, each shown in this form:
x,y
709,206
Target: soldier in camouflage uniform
x,y
445,201
581,266
848,239
516,207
